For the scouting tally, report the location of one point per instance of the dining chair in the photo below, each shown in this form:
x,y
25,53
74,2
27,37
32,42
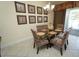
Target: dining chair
x,y
61,42
38,42
68,31
41,27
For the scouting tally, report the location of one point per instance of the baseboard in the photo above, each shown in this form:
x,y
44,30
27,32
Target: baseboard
x,y
15,42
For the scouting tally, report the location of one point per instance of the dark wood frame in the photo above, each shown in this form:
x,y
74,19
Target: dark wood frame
x,y
46,19
38,10
20,4
45,12
18,20
38,19
32,19
29,9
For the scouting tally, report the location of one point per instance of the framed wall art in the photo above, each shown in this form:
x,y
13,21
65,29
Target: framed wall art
x,y
39,10
31,9
45,12
22,19
32,19
45,19
20,7
39,19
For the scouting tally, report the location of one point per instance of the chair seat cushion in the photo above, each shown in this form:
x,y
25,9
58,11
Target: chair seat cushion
x,y
42,42
61,35
57,41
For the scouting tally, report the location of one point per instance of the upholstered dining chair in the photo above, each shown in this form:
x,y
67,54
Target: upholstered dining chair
x,y
38,42
67,31
61,42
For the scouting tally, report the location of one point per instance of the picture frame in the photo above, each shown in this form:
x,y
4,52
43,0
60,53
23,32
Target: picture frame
x,y
39,10
45,18
20,7
32,19
45,12
39,19
21,19
31,9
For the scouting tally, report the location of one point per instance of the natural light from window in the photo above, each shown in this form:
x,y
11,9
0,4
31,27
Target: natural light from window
x,y
73,20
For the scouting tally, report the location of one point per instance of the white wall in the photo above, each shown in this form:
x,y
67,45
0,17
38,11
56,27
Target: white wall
x,y
51,19
10,31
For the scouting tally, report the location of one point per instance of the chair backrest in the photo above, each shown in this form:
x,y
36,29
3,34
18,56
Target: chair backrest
x,y
40,27
66,35
59,26
34,34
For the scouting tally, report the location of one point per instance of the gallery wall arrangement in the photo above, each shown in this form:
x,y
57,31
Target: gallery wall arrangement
x,y
39,19
39,10
45,19
46,12
31,9
22,19
20,7
32,19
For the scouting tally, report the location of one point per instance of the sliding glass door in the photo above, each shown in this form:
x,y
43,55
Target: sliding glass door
x,y
72,18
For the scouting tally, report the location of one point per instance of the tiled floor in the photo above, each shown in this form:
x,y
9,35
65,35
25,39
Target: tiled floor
x,y
25,49
75,32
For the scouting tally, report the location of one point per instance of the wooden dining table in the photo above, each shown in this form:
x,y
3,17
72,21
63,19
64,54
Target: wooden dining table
x,y
51,33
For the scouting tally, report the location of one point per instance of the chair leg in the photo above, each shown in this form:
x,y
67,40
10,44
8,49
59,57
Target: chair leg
x,y
49,43
37,50
67,42
47,46
65,46
34,45
61,51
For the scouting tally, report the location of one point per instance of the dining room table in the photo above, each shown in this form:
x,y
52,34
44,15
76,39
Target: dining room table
x,y
51,34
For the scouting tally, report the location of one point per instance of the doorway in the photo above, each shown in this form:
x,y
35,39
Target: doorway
x,y
72,20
